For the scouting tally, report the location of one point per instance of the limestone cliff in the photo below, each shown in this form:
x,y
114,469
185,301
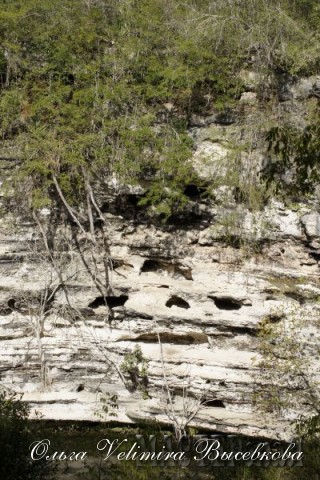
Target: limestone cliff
x,y
200,284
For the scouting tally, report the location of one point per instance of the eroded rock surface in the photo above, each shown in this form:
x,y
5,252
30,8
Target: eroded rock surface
x,y
203,299
192,294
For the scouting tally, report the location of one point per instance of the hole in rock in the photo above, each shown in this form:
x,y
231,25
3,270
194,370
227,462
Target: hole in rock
x,y
98,223
105,207
212,403
177,302
315,255
111,301
133,199
174,338
226,303
186,219
151,266
125,205
242,331
11,303
176,270
194,191
80,387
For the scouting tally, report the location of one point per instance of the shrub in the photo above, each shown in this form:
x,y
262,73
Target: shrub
x,y
15,439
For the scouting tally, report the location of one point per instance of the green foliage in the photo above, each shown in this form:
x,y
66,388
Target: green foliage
x,y
83,88
85,85
15,438
273,35
286,382
296,154
286,379
135,365
284,367
109,406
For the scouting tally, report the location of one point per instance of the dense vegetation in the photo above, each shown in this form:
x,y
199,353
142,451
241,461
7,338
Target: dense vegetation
x,y
15,438
100,89
297,152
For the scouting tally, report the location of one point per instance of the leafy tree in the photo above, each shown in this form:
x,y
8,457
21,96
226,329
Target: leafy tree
x,y
93,104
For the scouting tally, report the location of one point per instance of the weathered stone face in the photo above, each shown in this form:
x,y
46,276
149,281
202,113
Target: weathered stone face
x,y
204,299
185,285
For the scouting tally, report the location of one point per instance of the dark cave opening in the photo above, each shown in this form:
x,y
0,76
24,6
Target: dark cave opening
x,y
161,266
111,301
151,266
226,303
212,403
177,302
193,191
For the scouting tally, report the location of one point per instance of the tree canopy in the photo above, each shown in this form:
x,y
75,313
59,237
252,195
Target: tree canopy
x,y
106,89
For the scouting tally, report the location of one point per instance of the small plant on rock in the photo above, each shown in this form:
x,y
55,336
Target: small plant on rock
x,y
135,366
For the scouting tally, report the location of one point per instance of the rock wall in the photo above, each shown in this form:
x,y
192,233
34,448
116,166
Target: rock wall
x,y
201,284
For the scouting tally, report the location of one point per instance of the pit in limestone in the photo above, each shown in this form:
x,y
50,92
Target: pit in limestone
x,y
176,301
226,303
111,301
174,269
